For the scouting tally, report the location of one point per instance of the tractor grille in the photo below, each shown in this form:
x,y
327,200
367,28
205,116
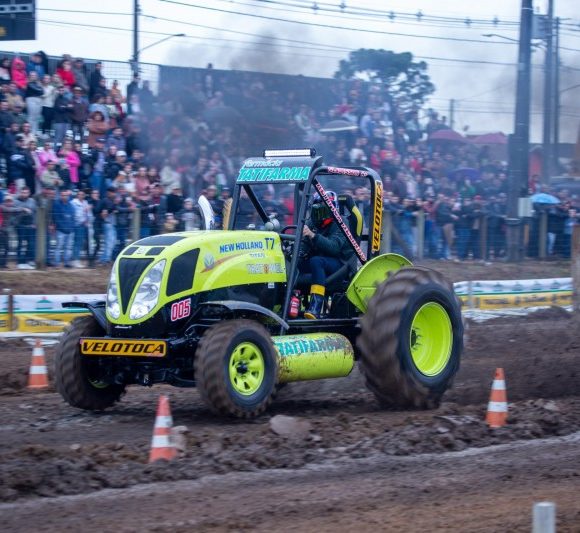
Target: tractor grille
x,y
130,271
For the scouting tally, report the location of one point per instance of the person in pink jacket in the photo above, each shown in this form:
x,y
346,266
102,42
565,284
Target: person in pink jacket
x,y
19,75
72,160
46,155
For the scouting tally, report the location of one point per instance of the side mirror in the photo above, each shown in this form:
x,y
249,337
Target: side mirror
x,y
207,216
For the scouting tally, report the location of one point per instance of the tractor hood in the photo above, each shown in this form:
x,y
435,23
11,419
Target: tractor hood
x,y
156,271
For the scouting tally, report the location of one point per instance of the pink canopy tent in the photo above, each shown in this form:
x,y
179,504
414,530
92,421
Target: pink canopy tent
x,y
447,135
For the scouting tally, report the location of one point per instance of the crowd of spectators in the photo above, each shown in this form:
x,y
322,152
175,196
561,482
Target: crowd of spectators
x,y
89,153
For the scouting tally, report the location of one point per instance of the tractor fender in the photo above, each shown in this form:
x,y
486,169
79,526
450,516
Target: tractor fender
x,y
96,308
363,285
236,305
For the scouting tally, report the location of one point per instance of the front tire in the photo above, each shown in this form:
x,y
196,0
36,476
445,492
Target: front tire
x,y
411,339
236,368
76,378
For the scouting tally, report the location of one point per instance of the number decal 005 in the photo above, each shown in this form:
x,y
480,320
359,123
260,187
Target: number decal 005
x,y
180,310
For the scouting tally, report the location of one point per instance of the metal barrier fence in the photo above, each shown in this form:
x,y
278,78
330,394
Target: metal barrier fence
x,y
421,240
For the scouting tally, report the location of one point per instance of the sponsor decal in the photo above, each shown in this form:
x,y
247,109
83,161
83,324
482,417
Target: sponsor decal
x,y
123,348
263,163
210,265
511,287
347,171
273,174
241,246
265,268
501,301
208,262
180,309
377,217
361,255
301,346
142,250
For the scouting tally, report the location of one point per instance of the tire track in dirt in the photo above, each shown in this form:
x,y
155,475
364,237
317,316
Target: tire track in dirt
x,y
490,489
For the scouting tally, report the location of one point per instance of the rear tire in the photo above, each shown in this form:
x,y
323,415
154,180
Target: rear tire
x,y
236,368
411,339
72,370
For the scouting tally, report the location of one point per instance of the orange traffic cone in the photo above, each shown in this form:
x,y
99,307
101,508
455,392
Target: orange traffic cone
x,y
161,446
38,376
497,408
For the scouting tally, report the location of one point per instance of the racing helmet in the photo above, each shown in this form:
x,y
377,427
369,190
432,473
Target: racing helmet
x,y
319,211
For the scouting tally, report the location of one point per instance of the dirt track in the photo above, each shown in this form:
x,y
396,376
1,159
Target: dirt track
x,y
488,489
358,466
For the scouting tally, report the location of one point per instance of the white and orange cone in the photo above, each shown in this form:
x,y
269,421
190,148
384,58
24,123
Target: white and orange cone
x,y
38,375
162,446
497,408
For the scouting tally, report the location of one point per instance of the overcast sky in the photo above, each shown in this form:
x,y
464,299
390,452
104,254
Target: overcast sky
x,y
484,93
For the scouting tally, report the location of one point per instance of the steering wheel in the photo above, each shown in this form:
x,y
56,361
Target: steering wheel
x,y
288,241
288,238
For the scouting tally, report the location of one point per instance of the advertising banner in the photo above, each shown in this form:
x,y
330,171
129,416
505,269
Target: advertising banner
x,y
501,294
44,314
3,312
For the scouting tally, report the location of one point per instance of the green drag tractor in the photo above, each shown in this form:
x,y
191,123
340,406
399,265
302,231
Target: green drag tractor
x,y
223,311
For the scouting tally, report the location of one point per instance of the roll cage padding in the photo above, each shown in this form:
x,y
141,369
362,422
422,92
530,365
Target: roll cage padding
x,y
355,218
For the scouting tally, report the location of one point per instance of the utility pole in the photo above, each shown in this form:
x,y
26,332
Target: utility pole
x,y
548,96
556,137
135,59
519,154
451,113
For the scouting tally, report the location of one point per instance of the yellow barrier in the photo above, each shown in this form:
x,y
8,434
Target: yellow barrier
x,y
524,299
35,319
45,322
4,322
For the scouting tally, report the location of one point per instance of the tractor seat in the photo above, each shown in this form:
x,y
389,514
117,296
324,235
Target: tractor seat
x,y
346,206
334,282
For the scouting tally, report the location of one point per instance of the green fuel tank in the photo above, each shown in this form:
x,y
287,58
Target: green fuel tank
x,y
313,356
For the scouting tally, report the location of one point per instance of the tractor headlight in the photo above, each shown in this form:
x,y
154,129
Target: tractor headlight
x,y
113,307
148,292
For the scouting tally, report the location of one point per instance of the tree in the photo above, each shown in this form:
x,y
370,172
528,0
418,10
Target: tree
x,y
407,81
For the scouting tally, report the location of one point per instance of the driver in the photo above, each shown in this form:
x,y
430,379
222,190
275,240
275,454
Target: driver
x,y
328,251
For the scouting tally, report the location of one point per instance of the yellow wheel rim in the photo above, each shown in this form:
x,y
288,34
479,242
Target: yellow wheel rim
x,y
98,384
431,339
246,368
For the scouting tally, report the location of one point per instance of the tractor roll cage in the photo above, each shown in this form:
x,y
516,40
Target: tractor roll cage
x,y
303,192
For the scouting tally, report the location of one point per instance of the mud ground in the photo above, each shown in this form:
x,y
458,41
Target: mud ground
x,y
354,466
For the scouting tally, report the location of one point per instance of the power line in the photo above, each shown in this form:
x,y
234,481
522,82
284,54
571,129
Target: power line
x,y
363,30
98,27
250,34
251,50
333,27
83,11
497,88
392,15
351,14
330,47
327,48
